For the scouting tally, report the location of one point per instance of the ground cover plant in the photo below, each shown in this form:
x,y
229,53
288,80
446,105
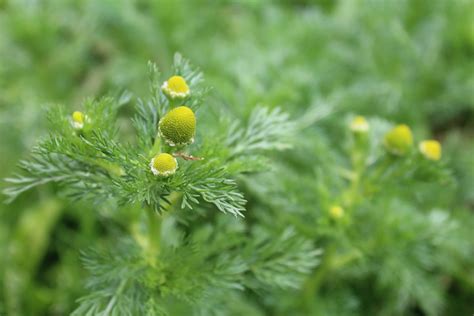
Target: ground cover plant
x,y
311,157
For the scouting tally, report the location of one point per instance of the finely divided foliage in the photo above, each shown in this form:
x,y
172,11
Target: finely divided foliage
x,y
148,275
94,164
393,216
266,130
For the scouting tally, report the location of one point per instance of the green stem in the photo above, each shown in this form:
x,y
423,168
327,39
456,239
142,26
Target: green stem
x,y
155,221
372,185
154,234
340,261
312,285
330,263
156,146
386,163
113,169
351,196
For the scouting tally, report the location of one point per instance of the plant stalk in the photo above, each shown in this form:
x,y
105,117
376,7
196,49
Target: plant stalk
x,y
156,145
155,221
154,234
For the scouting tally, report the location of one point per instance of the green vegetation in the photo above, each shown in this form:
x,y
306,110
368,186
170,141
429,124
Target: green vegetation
x,y
288,188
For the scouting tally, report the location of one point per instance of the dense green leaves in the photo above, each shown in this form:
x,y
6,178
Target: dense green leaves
x,y
92,163
403,244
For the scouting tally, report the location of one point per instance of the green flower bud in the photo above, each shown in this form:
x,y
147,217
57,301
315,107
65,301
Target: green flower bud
x,y
178,127
78,119
431,149
399,140
359,125
176,88
336,212
163,165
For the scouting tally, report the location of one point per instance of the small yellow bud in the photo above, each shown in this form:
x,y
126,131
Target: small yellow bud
x,y
336,212
78,119
176,88
399,140
359,125
163,165
178,126
431,149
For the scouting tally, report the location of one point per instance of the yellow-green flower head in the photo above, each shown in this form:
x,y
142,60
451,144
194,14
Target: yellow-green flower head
x,y
336,212
78,119
359,125
399,140
176,88
177,128
431,149
163,165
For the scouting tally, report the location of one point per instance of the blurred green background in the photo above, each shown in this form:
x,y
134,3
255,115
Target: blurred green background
x,y
405,61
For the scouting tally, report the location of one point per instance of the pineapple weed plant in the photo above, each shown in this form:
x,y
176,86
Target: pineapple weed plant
x,y
388,229
167,260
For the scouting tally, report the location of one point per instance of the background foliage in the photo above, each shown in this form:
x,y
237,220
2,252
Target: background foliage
x,y
407,247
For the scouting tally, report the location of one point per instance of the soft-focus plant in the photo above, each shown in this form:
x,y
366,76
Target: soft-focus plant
x,y
386,238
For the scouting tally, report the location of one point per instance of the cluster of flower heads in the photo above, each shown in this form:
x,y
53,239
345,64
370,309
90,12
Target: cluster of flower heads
x,y
399,140
176,129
